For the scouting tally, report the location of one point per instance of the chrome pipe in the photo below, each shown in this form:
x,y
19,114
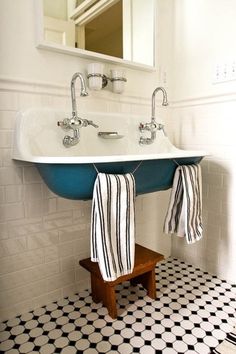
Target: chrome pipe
x,y
83,91
164,101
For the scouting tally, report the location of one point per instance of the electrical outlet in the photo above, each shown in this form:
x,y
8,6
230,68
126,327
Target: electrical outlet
x,y
217,73
224,72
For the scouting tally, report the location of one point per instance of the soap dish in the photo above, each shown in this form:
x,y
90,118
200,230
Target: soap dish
x,y
110,135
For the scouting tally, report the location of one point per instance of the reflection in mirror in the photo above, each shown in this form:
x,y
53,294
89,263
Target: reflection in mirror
x,y
118,28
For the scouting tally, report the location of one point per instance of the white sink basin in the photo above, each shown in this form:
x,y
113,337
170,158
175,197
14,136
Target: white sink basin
x,y
38,139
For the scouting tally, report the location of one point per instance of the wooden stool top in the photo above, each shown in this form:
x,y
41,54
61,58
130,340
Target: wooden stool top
x,y
145,260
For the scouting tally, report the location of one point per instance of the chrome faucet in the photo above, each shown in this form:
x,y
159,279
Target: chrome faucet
x,y
153,126
75,123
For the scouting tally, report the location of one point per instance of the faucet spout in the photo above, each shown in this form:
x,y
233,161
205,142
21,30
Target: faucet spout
x,y
164,100
153,126
83,91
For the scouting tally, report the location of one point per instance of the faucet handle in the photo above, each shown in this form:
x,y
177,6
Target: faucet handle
x,y
90,122
141,126
64,124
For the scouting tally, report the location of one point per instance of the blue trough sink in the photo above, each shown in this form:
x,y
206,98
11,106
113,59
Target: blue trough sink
x,y
76,181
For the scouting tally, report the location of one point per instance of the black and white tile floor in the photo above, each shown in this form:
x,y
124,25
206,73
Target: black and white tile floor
x,y
192,314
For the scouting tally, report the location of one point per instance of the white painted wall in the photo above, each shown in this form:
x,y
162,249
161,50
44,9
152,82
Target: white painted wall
x,y
204,35
42,237
203,116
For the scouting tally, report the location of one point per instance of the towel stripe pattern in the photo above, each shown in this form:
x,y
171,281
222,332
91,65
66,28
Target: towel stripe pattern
x,y
228,346
113,224
184,215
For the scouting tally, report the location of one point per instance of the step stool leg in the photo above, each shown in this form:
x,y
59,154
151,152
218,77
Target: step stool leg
x,y
148,282
109,300
96,286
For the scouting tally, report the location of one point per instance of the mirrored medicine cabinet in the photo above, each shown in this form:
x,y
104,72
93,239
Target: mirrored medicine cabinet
x,y
116,31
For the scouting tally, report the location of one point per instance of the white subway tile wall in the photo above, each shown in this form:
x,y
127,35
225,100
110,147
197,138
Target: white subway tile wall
x,y
42,236
211,126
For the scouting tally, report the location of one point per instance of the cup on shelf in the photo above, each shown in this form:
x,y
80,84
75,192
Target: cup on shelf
x,y
118,80
95,74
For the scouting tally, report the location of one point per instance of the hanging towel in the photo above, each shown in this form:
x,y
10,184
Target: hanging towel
x,y
228,346
184,215
112,225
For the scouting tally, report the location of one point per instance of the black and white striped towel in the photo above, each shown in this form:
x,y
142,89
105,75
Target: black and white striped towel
x,y
228,346
184,215
112,225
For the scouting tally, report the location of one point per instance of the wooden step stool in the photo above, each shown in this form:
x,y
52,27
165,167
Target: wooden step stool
x,y
143,273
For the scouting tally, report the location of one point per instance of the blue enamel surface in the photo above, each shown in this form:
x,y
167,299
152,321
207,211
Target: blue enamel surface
x,y
76,181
